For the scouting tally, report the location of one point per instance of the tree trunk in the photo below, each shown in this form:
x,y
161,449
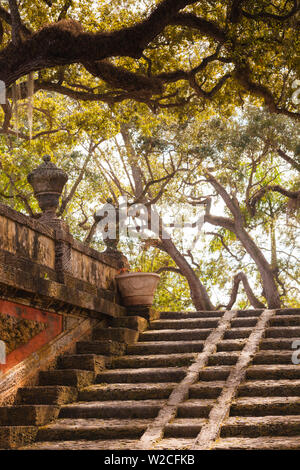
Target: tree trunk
x,y
236,226
267,275
198,292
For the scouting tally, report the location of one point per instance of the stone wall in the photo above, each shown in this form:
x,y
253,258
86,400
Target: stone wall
x,y
49,284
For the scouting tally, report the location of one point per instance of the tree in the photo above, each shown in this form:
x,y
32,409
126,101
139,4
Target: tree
x,y
183,54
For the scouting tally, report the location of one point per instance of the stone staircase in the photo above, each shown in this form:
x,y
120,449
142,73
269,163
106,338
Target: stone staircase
x,y
196,380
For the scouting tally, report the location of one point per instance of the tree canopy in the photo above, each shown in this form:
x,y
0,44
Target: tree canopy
x,y
168,102
164,53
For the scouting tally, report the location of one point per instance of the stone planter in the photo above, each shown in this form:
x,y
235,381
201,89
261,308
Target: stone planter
x,y
137,288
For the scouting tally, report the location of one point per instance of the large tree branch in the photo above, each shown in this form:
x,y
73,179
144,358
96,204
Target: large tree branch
x,y
243,75
208,28
65,42
288,159
241,277
276,188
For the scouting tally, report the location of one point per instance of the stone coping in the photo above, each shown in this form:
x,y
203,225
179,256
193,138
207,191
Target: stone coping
x,y
57,235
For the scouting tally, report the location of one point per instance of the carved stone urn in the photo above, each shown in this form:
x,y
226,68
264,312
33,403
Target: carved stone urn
x,y
137,288
48,181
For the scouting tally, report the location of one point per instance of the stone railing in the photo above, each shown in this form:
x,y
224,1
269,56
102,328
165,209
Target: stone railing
x,y
53,288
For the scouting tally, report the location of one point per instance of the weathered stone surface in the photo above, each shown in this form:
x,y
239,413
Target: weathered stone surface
x,y
13,437
184,315
273,372
223,358
92,429
273,357
160,397
17,331
165,347
105,348
257,426
180,393
211,431
124,391
51,395
259,443
175,335
142,311
195,408
27,415
265,406
123,409
180,428
26,373
285,320
166,374
170,360
134,323
270,388
69,377
206,389
122,335
92,362
102,444
186,323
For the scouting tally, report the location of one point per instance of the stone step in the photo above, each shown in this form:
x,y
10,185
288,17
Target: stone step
x,y
237,333
285,320
102,444
185,323
282,332
231,345
105,348
181,427
27,415
277,344
133,323
259,443
266,406
206,389
123,391
175,335
51,395
223,358
14,437
169,360
185,315
271,372
90,362
214,374
288,311
273,357
172,443
243,322
270,388
68,377
121,335
250,313
253,426
120,409
163,347
194,408
91,429
167,374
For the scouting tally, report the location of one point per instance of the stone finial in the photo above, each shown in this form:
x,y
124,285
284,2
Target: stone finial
x,y
48,181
